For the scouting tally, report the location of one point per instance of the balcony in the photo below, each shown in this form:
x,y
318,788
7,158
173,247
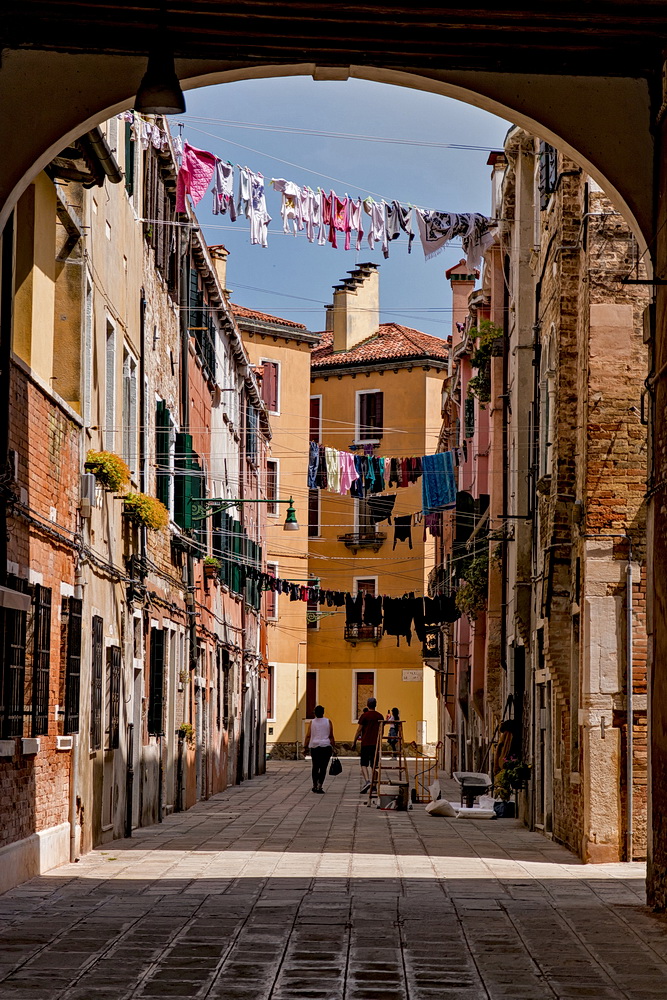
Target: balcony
x,y
356,540
363,633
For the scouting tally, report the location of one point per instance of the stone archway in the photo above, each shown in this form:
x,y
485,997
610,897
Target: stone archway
x,y
607,124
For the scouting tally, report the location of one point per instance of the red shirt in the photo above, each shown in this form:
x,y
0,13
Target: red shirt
x,y
370,723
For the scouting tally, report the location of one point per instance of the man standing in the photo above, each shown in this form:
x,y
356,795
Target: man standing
x,y
369,726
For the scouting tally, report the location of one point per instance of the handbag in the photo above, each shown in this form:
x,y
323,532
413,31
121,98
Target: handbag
x,y
335,767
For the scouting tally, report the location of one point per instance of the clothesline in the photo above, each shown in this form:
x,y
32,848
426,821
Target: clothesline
x,y
368,475
323,217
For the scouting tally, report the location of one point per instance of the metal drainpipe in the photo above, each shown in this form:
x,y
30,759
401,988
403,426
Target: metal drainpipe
x,y
296,700
629,705
73,781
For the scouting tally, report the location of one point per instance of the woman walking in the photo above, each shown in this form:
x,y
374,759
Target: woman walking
x,y
392,736
320,741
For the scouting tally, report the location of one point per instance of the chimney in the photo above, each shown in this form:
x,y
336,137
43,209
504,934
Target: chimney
x,y
219,255
462,282
355,313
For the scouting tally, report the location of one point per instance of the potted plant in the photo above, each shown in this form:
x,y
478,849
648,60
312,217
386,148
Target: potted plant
x,y
513,776
186,733
109,470
211,567
145,510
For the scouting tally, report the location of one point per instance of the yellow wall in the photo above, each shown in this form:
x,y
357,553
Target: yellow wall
x,y
411,426
35,277
289,550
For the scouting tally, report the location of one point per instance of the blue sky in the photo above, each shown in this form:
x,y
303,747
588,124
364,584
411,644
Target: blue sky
x,y
293,278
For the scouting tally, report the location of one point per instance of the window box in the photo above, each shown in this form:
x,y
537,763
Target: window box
x,y
363,633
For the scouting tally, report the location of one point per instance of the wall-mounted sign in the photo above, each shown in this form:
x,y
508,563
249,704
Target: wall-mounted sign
x,y
412,675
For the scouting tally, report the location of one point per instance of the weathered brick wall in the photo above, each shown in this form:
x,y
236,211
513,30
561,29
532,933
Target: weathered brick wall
x,y
34,791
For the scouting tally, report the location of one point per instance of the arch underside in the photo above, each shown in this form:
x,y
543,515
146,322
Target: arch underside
x,y
603,123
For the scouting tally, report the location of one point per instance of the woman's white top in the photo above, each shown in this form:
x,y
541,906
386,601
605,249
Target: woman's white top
x,y
319,733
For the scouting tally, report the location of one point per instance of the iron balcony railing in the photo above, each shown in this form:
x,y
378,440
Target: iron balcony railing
x,y
363,540
363,633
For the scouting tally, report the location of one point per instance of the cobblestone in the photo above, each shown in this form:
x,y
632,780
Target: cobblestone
x,y
267,892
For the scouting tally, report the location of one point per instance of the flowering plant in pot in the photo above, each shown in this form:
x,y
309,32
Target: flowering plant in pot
x,y
109,469
145,510
211,567
514,775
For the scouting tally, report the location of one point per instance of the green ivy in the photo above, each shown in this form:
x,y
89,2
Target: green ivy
x,y
488,335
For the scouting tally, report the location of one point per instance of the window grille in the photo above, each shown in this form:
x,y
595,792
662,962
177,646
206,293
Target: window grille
x,y
548,173
41,660
156,695
96,684
469,418
73,607
13,672
113,707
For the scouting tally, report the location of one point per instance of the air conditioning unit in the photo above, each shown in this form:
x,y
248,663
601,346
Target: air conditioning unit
x,y
29,746
64,742
87,494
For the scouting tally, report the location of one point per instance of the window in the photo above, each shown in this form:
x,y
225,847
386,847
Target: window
x,y
41,662
165,455
313,513
112,729
130,410
159,211
315,418
364,523
364,683
271,596
272,486
110,388
96,684
271,385
548,179
71,616
156,695
271,692
87,350
365,585
311,693
469,418
13,633
129,160
369,416
251,434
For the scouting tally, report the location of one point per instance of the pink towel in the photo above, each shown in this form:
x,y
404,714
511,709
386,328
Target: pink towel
x,y
194,176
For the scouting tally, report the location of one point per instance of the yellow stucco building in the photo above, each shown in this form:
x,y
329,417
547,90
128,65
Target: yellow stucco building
x,y
373,386
280,351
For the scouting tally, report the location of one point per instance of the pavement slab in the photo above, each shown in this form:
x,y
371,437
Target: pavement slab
x,y
268,892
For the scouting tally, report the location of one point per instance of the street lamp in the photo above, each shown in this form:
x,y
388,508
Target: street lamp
x,y
160,91
203,507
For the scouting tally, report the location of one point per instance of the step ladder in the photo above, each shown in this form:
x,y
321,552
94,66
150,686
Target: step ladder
x,y
390,779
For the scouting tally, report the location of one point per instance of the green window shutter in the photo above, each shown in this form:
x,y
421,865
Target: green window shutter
x,y
162,429
182,484
236,581
155,718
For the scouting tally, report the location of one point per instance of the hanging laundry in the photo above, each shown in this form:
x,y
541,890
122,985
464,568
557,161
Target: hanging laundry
x,y
223,190
321,477
372,611
436,229
399,219
402,529
353,609
313,462
380,508
433,523
378,225
358,488
259,217
325,217
354,223
348,472
243,201
291,206
310,212
194,176
338,217
397,618
438,481
333,469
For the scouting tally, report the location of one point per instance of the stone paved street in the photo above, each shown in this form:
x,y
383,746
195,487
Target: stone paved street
x,y
268,891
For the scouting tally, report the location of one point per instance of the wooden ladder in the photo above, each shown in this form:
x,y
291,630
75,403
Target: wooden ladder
x,y
390,779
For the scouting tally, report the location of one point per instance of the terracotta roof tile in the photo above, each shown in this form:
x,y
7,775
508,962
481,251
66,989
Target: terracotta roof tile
x,y
244,313
392,341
